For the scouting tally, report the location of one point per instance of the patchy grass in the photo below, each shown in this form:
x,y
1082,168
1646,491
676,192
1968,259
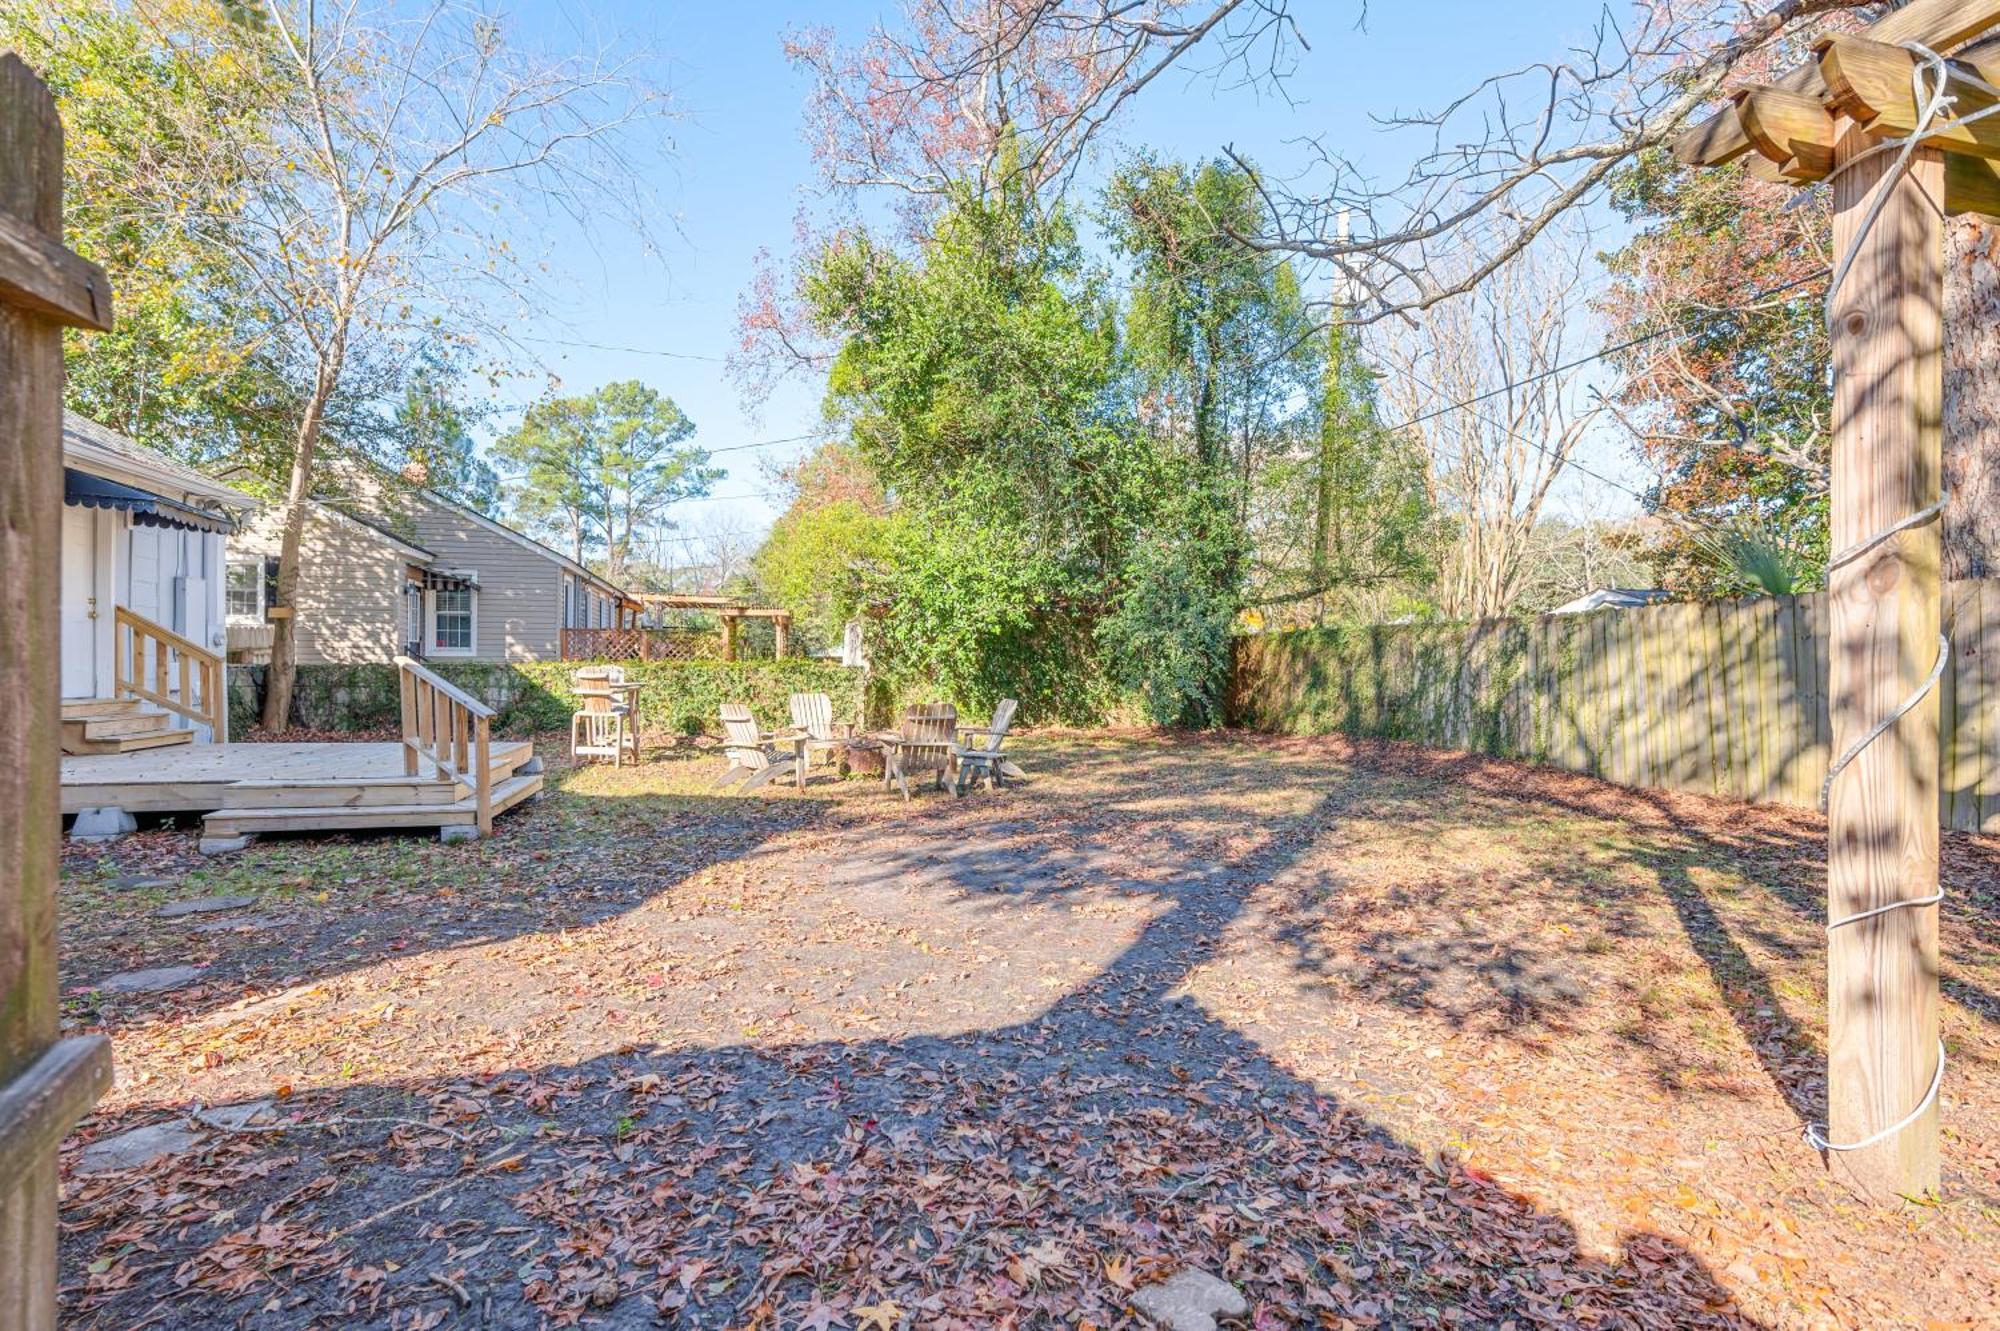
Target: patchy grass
x,y
1385,1037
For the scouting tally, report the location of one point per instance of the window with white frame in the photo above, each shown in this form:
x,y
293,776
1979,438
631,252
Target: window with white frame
x,y
452,624
244,591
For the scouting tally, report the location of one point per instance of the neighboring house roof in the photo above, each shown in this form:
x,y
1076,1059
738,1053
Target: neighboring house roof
x,y
498,528
1614,598
102,451
417,551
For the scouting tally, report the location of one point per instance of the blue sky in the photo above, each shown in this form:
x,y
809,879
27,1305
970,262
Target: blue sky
x,y
738,170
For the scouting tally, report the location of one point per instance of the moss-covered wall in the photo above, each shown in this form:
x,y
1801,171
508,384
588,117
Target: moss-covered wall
x,y
677,697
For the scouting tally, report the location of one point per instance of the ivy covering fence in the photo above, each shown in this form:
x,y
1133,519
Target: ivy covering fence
x,y
677,698
1723,698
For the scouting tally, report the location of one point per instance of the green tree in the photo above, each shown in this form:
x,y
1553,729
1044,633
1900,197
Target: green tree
x,y
1733,407
833,542
600,471
1223,353
1370,520
981,379
1218,331
431,437
189,368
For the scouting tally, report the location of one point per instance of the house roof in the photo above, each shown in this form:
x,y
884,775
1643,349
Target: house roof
x,y
378,529
102,451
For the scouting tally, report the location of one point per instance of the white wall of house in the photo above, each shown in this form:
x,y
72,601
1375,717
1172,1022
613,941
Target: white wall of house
x,y
167,575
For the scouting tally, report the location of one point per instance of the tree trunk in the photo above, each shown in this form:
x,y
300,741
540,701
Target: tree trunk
x,y
1972,399
282,673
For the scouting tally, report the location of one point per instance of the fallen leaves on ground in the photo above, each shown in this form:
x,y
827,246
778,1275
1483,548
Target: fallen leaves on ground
x,y
1381,1036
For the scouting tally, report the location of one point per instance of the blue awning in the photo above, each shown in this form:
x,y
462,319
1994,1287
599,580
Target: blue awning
x,y
147,509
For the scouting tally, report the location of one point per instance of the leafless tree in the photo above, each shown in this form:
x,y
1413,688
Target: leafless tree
x,y
402,148
976,90
1485,383
1507,159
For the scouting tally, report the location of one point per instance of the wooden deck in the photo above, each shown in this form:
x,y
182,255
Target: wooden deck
x,y
250,788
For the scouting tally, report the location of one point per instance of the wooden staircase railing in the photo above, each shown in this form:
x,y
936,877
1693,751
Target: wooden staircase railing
x,y
450,727
171,672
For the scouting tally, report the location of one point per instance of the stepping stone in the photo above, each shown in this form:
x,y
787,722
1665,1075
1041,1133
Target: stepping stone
x,y
202,906
157,980
248,1115
1190,1301
129,1150
247,924
132,882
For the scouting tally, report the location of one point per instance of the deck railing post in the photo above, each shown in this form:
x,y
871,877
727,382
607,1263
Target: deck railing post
x,y
483,783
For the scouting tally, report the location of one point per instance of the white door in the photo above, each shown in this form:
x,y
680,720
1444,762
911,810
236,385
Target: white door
x,y
79,590
148,591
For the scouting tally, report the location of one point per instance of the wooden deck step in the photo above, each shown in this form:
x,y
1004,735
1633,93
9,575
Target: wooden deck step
x,y
88,737
340,792
122,726
234,822
93,709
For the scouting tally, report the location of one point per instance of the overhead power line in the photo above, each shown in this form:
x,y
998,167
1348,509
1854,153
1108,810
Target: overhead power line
x,y
630,351
1600,354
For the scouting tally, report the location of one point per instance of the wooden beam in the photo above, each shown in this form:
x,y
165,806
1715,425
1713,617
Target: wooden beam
x,y
37,273
1788,128
1882,824
1938,24
1872,83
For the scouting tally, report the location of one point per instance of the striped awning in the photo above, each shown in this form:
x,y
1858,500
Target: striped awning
x,y
450,579
147,509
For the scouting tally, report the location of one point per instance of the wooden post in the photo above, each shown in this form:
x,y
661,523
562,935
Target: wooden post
x,y
782,633
1882,823
482,754
729,623
46,1083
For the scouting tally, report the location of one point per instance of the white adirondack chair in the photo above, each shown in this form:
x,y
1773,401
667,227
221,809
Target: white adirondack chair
x,y
812,716
754,757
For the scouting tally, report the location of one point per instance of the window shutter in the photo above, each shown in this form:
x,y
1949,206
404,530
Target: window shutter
x,y
270,583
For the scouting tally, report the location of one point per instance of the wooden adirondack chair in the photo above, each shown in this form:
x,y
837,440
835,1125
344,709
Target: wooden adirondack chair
x,y
922,744
812,718
754,757
607,725
977,753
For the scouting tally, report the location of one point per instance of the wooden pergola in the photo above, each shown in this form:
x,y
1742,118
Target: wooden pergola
x,y
1891,117
732,611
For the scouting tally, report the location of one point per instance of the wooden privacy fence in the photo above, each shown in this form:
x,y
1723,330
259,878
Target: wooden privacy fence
x,y
1724,698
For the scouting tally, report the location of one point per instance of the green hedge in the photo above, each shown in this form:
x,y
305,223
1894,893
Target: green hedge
x,y
678,697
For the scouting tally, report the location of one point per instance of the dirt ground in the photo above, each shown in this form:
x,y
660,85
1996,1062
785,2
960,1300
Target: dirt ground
x,y
1385,1038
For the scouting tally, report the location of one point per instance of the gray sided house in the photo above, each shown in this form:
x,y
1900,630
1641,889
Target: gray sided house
x,y
410,572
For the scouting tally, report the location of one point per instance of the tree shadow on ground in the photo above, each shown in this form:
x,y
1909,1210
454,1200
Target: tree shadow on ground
x,y
1689,852
324,905
1027,1172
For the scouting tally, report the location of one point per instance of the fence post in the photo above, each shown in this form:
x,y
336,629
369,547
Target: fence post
x,y
46,1083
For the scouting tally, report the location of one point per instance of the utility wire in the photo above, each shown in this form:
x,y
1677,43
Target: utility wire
x,y
1612,350
633,351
